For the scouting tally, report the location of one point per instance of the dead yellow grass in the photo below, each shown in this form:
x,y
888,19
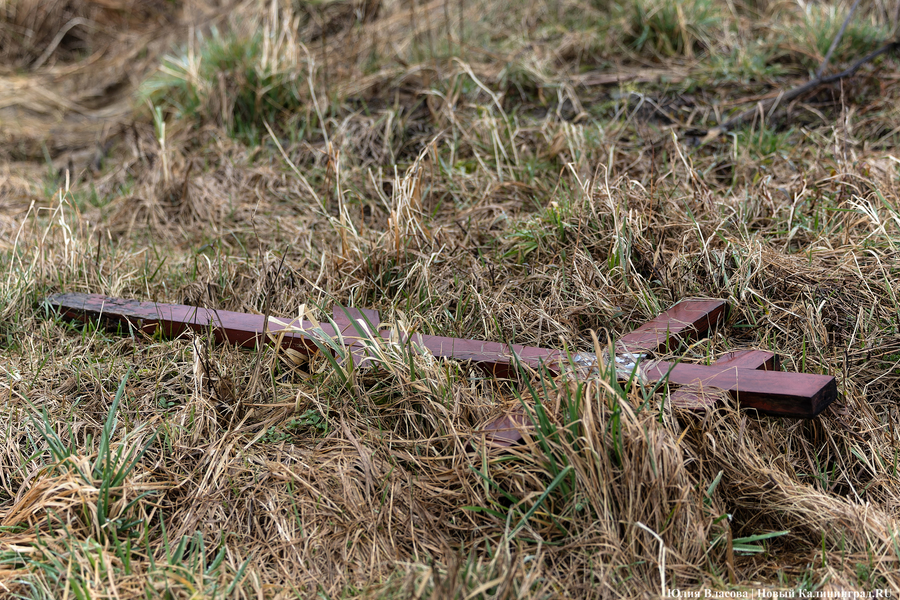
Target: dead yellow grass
x,y
515,184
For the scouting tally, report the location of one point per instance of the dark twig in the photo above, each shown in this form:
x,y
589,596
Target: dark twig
x,y
799,91
836,40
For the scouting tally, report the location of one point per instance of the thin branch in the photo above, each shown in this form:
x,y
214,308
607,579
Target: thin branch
x,y
799,91
836,41
59,37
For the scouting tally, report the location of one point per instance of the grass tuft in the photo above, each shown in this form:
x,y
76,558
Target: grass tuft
x,y
820,24
528,176
241,79
670,29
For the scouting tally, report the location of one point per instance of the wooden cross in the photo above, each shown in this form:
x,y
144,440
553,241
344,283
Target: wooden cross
x,y
749,376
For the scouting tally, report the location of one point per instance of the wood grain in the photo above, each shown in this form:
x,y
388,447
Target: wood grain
x,y
800,395
688,318
697,397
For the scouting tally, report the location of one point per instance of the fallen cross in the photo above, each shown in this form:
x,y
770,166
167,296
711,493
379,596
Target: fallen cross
x,y
748,376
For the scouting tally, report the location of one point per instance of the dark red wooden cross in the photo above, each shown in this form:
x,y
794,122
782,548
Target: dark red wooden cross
x,y
748,376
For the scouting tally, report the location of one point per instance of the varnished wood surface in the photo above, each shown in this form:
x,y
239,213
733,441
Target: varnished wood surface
x,y
242,329
778,393
786,394
697,397
688,318
246,330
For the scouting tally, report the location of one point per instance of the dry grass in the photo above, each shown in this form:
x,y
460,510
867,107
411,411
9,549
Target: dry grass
x,y
531,176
